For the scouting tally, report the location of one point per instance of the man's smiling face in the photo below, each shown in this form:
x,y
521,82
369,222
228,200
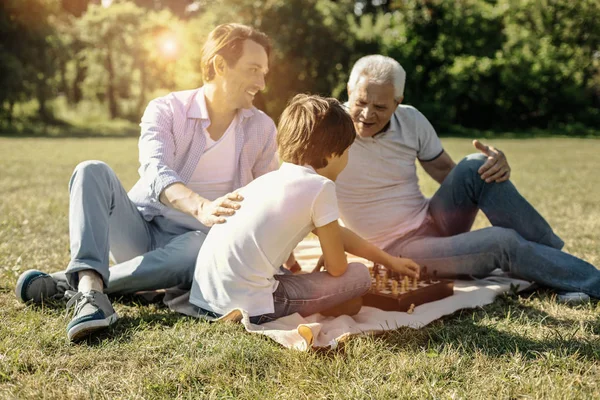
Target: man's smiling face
x,y
247,76
371,106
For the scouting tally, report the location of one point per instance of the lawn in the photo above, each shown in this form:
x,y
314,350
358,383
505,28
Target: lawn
x,y
520,346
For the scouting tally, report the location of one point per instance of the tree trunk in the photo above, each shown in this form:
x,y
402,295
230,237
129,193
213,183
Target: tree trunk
x,y
142,99
110,90
80,71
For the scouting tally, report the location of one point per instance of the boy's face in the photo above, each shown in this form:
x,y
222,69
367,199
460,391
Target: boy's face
x,y
247,77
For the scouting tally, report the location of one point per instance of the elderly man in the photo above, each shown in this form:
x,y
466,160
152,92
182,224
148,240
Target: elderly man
x,y
380,199
196,148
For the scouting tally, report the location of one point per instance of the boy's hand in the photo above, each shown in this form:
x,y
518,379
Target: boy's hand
x,y
404,266
320,264
215,211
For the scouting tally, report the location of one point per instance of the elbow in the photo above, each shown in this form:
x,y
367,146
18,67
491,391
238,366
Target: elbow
x,y
336,272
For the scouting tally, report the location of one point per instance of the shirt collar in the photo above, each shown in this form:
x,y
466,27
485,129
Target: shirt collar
x,y
198,108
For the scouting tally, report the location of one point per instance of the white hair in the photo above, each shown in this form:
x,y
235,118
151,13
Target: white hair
x,y
379,69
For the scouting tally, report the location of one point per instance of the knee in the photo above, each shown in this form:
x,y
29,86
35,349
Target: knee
x,y
471,164
91,168
359,273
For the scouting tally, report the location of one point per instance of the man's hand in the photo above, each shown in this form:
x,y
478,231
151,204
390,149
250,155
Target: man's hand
x,y
404,266
496,168
214,212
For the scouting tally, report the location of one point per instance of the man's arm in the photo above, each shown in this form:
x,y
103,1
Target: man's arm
x,y
439,168
157,154
182,198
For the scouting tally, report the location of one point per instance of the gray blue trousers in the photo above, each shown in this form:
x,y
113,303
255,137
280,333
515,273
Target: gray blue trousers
x,y
149,255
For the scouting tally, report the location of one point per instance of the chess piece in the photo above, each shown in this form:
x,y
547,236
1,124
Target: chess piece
x,y
411,309
395,287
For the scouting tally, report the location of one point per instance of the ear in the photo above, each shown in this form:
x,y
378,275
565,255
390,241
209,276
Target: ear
x,y
348,90
399,100
219,64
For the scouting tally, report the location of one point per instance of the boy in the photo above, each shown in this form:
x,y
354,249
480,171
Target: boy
x,y
237,266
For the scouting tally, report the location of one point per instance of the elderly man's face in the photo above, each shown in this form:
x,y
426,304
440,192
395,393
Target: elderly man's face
x,y
371,106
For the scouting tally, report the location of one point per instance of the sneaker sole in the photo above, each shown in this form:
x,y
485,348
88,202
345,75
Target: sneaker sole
x,y
23,282
85,329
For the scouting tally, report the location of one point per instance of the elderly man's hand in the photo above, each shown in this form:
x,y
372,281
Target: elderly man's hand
x,y
214,212
496,168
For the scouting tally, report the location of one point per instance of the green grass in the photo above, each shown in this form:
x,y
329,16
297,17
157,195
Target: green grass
x,y
517,347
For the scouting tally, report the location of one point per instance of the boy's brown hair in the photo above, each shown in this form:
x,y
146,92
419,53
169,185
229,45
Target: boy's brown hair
x,y
312,128
227,40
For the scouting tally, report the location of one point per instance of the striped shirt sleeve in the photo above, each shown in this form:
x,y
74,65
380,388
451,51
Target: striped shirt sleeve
x,y
157,148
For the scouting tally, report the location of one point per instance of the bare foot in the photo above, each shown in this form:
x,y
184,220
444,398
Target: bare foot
x,y
350,307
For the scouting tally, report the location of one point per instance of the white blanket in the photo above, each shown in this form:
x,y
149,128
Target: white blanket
x,y
316,331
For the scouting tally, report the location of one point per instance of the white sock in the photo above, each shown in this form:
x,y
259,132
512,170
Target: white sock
x,y
89,280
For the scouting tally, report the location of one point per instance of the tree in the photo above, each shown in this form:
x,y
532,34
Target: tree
x,y
28,53
121,54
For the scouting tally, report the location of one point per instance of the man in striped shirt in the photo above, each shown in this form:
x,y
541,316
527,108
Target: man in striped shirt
x,y
196,148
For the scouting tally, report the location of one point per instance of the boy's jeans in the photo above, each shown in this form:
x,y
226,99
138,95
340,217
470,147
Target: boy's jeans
x,y
307,294
150,255
520,240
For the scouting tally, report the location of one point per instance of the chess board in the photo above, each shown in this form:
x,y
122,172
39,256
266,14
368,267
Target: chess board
x,y
392,292
429,288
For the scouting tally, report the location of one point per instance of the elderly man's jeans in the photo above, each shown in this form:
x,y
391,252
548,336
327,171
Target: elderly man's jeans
x,y
150,255
520,240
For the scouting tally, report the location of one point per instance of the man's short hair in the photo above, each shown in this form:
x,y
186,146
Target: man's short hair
x,y
227,40
379,69
312,128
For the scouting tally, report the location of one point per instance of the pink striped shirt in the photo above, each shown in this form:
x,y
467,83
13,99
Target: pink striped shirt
x,y
172,142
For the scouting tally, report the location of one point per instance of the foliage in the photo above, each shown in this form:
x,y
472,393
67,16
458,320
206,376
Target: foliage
x,y
506,63
28,54
492,64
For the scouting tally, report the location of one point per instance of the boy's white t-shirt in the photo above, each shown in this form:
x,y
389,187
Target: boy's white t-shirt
x,y
237,262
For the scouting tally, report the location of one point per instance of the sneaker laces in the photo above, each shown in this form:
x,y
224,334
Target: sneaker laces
x,y
79,300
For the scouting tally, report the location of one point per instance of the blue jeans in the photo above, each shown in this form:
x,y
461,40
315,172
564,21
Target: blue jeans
x,y
520,240
150,255
307,294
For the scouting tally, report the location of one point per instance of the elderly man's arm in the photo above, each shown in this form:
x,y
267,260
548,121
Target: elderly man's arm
x,y
495,169
439,168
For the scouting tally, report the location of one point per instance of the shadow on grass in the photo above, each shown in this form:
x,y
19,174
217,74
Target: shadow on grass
x,y
471,332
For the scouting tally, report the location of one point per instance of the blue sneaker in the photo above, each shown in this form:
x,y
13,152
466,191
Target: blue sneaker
x,y
572,298
37,286
93,312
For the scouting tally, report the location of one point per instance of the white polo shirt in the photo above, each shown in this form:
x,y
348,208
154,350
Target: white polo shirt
x,y
378,192
237,262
